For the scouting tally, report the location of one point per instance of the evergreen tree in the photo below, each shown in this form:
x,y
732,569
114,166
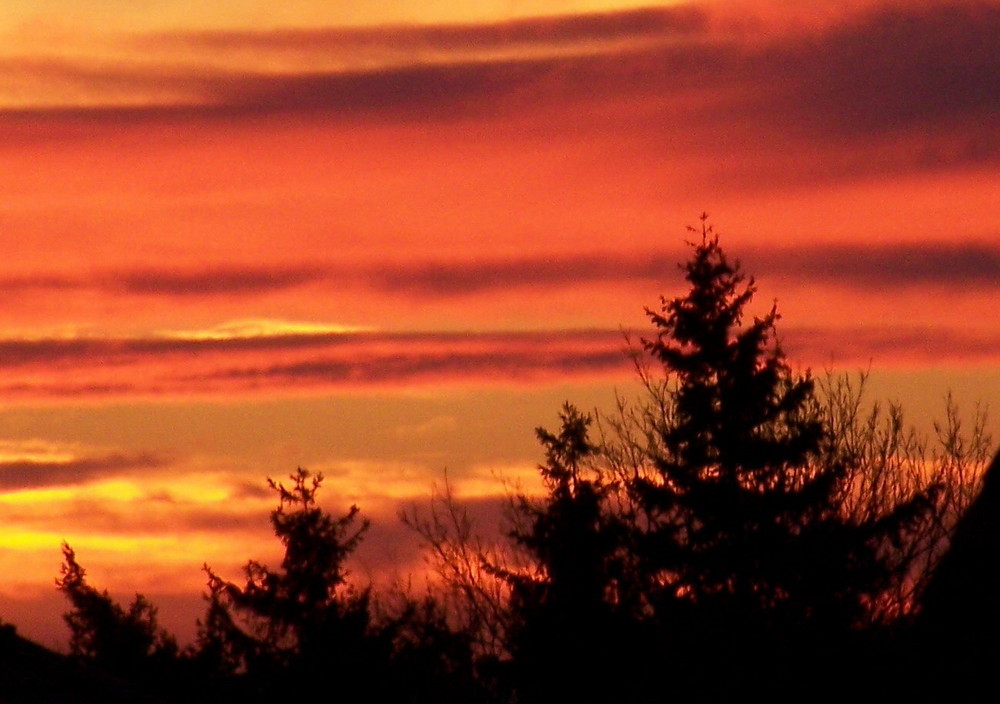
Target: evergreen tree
x,y
741,529
561,612
126,641
303,620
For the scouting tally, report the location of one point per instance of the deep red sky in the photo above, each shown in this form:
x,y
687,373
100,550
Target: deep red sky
x,y
383,245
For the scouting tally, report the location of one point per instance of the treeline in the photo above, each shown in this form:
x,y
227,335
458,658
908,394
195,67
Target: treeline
x,y
739,529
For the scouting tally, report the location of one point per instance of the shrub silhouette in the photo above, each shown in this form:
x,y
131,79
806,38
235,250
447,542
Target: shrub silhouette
x,y
891,463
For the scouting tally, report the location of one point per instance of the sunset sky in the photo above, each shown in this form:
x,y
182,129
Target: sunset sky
x,y
386,240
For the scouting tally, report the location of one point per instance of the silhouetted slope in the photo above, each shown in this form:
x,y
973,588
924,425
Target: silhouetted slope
x,y
30,673
961,606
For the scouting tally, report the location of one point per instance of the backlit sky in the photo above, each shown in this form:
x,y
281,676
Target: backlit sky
x,y
241,237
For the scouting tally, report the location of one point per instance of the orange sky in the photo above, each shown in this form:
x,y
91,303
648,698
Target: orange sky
x,y
241,238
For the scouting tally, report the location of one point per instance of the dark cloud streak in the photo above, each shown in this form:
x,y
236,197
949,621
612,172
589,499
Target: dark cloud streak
x,y
920,345
228,280
892,70
463,278
966,265
115,351
925,65
166,367
402,360
213,281
593,27
501,364
962,265
28,474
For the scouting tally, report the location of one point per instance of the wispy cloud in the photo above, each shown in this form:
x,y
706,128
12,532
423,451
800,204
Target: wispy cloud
x,y
880,267
215,281
862,266
894,344
413,41
454,365
33,465
887,71
207,366
368,68
222,280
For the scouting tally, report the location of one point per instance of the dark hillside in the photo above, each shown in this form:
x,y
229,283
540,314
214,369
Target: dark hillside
x,y
32,674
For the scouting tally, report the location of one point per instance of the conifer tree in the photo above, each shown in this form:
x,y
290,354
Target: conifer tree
x,y
304,619
560,608
127,641
741,512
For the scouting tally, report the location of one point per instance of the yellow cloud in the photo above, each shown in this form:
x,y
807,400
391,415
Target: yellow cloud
x,y
262,327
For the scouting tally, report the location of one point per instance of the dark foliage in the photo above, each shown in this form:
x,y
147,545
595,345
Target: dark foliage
x,y
743,512
560,610
743,547
282,627
281,632
431,660
126,642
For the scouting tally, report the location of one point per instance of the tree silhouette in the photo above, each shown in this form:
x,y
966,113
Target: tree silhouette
x,y
891,463
125,641
738,530
960,611
741,532
303,620
560,611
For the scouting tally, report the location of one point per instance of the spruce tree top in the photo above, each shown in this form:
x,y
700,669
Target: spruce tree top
x,y
741,415
743,504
